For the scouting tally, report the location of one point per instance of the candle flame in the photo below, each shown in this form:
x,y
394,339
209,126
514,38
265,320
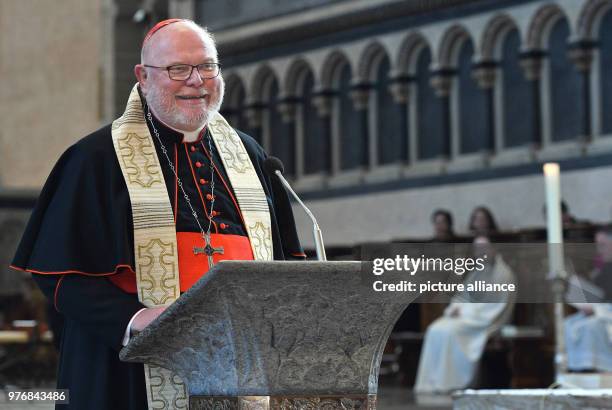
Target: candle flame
x,y
551,168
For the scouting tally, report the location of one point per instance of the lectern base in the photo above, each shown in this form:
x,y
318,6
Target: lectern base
x,y
348,402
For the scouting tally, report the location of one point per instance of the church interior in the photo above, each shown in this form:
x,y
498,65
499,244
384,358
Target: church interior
x,y
399,123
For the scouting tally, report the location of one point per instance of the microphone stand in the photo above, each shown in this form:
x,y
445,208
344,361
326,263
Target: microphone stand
x,y
316,231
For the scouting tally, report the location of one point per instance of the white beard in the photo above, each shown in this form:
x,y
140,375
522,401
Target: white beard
x,y
163,105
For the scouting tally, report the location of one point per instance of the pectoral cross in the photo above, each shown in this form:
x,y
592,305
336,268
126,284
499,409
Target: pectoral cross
x,y
208,250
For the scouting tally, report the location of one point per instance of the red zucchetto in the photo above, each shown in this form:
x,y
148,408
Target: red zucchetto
x,y
159,26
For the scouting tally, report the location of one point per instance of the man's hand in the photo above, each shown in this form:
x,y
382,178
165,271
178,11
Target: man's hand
x,y
145,317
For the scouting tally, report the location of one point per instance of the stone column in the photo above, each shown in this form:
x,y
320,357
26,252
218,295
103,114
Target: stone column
x,y
531,63
360,95
442,81
581,53
400,88
484,74
324,101
287,108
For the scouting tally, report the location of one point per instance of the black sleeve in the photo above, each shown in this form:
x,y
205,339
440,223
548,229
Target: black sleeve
x,y
81,221
95,303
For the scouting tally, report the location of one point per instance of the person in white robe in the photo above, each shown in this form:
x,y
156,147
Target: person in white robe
x,y
454,343
588,333
588,338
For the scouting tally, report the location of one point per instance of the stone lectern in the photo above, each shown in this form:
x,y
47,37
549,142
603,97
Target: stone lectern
x,y
274,335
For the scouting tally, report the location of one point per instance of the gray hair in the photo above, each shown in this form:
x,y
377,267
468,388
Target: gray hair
x,y
207,36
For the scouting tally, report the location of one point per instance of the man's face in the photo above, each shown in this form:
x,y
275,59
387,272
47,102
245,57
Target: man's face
x,y
188,104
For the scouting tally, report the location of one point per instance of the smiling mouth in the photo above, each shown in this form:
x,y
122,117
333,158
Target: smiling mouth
x,y
191,97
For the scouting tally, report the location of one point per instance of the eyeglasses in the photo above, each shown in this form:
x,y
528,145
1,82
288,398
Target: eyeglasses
x,y
181,72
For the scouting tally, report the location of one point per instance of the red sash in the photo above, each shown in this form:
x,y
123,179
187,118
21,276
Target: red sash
x,y
193,266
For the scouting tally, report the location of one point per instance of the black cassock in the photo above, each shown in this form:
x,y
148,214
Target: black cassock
x,y
80,233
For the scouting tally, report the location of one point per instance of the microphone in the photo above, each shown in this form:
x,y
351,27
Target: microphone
x,y
274,166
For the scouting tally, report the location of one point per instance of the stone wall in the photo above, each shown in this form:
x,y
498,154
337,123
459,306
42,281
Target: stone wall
x,y
50,71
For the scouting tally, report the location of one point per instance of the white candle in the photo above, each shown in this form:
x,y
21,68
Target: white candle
x,y
553,218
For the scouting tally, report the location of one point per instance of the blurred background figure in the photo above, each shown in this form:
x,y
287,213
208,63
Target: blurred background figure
x,y
588,333
566,217
482,222
602,277
454,343
442,221
568,220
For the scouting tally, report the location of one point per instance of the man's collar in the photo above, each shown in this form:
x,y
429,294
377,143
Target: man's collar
x,y
186,137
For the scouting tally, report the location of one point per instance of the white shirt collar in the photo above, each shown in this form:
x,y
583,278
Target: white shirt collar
x,y
188,136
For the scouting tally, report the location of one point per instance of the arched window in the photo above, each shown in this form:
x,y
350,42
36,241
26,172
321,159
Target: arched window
x,y
474,108
519,96
605,64
391,121
352,123
566,87
431,118
315,130
279,133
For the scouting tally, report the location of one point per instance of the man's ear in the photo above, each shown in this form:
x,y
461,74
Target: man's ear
x,y
140,72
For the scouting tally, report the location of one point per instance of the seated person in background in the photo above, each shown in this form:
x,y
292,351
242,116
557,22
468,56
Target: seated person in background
x,y
454,343
482,222
588,333
568,220
442,221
